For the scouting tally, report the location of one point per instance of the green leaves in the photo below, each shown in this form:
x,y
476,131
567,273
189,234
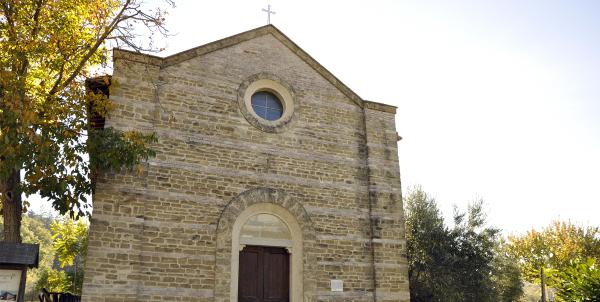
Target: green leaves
x,y
112,149
69,240
465,262
63,240
47,50
568,253
579,281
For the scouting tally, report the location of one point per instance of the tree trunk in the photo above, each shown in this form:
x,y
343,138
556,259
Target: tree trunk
x,y
12,207
543,277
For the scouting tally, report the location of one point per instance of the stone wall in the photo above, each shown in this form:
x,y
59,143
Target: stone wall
x,y
153,235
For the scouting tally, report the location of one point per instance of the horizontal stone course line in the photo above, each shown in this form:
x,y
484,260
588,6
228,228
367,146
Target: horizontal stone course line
x,y
305,99
391,265
359,294
169,224
266,149
176,291
345,294
219,141
116,218
163,194
241,121
331,299
145,290
155,223
388,214
353,213
395,296
157,193
331,140
355,238
328,295
382,164
174,255
379,160
375,163
260,148
271,177
380,146
389,241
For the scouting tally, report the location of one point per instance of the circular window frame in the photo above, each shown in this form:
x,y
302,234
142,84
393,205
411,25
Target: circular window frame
x,y
277,97
272,84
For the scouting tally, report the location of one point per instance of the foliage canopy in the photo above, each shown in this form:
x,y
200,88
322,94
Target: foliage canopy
x,y
47,51
465,262
61,241
568,253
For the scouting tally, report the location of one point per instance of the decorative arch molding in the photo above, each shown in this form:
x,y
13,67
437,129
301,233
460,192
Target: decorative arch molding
x,y
292,213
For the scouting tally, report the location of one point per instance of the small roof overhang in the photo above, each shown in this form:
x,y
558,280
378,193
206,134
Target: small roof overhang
x,y
21,254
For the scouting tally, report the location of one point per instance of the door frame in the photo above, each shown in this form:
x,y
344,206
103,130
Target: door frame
x,y
295,250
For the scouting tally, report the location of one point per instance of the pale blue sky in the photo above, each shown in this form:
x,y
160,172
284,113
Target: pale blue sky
x,y
496,99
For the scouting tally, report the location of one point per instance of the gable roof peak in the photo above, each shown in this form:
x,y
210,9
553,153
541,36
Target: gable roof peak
x,y
233,40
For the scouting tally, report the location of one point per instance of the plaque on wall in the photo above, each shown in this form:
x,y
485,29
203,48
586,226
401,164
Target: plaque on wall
x,y
337,285
9,284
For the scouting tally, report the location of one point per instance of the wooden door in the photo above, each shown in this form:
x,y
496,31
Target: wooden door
x,y
264,274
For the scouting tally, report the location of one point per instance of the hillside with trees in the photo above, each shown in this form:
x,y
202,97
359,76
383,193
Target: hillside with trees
x,y
63,246
469,260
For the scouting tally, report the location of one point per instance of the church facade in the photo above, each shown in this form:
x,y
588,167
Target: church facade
x,y
272,181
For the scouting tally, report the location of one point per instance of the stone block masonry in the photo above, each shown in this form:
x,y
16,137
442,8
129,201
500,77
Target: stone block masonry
x,y
166,235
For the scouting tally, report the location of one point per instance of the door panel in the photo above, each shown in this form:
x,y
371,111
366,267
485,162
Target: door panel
x,y
264,275
276,276
249,288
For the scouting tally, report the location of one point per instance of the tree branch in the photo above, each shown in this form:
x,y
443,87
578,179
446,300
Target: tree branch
x,y
36,21
57,85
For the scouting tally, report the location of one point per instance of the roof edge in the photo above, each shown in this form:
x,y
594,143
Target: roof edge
x,y
314,64
216,45
241,37
129,55
380,106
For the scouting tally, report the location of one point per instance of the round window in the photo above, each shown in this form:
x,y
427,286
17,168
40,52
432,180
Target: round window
x,y
267,102
267,105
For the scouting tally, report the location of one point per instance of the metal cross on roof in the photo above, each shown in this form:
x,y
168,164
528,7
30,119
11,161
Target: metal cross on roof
x,y
269,12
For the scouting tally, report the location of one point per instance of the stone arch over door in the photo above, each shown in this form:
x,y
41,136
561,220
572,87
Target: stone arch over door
x,y
291,211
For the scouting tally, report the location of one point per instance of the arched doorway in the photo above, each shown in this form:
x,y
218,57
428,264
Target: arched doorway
x,y
266,257
264,260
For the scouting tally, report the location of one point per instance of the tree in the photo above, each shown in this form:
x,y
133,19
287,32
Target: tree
x,y
579,281
63,247
36,229
465,262
551,253
69,243
47,50
473,250
506,275
428,241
